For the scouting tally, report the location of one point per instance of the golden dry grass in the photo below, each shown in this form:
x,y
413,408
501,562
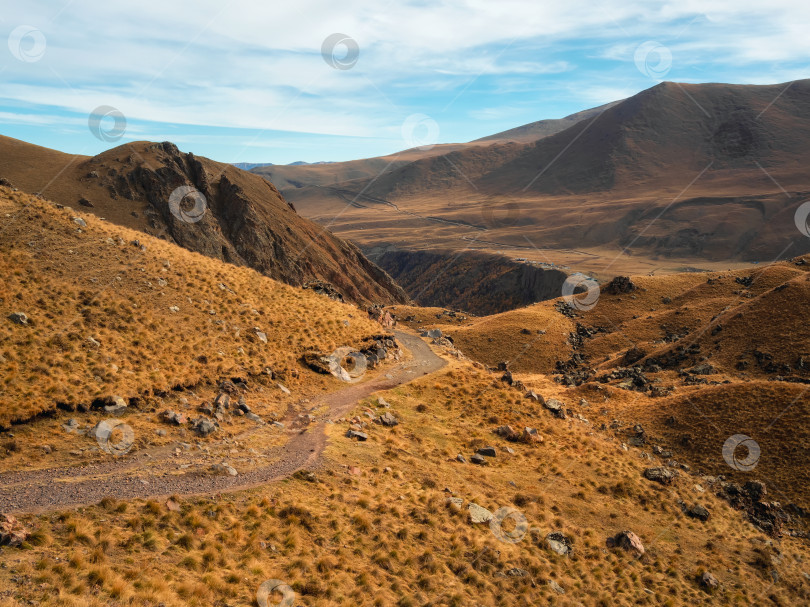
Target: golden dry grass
x,y
386,536
109,318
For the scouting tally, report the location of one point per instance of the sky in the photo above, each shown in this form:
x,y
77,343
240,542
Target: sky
x,y
317,80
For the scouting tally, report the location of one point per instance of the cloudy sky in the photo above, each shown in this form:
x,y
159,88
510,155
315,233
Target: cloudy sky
x,y
311,80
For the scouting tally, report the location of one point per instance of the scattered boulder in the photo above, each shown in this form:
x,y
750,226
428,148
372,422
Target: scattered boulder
x,y
260,335
532,395
665,476
12,532
461,459
517,572
321,287
708,581
455,502
19,318
556,408
115,405
507,432
80,222
432,333
530,435
479,514
86,203
388,420
224,468
699,512
360,436
619,285
203,426
627,540
556,587
487,451
557,542
171,417
478,459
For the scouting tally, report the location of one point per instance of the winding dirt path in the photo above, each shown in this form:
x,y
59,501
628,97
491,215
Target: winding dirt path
x,y
60,488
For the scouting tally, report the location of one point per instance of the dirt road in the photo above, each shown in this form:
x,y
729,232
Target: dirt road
x,y
122,478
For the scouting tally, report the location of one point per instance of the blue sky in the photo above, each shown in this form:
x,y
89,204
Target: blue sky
x,y
242,81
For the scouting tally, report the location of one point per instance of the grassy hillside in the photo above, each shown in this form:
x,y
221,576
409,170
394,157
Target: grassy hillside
x,y
373,525
112,311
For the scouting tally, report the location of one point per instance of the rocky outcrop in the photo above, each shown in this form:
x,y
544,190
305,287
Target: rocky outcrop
x,y
222,212
476,282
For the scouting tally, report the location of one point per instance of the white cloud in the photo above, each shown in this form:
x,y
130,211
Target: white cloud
x,y
257,64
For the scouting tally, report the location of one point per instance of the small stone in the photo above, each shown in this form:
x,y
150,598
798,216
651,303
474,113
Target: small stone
x,y
665,476
460,458
557,542
556,587
626,540
479,514
699,512
708,581
203,426
455,502
18,318
260,335
80,222
284,389
487,451
478,459
115,405
360,436
556,408
388,420
224,468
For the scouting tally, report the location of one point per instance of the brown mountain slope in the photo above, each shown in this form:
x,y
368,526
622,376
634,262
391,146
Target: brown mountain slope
x,y
544,128
680,175
694,358
106,317
241,218
654,138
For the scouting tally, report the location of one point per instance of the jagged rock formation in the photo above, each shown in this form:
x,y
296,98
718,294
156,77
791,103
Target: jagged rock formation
x,y
207,207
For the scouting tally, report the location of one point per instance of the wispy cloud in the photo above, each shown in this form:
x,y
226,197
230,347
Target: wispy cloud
x,y
257,65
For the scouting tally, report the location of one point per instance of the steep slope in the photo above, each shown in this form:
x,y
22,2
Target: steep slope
x,y
678,175
208,207
475,282
693,359
659,136
110,311
544,128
